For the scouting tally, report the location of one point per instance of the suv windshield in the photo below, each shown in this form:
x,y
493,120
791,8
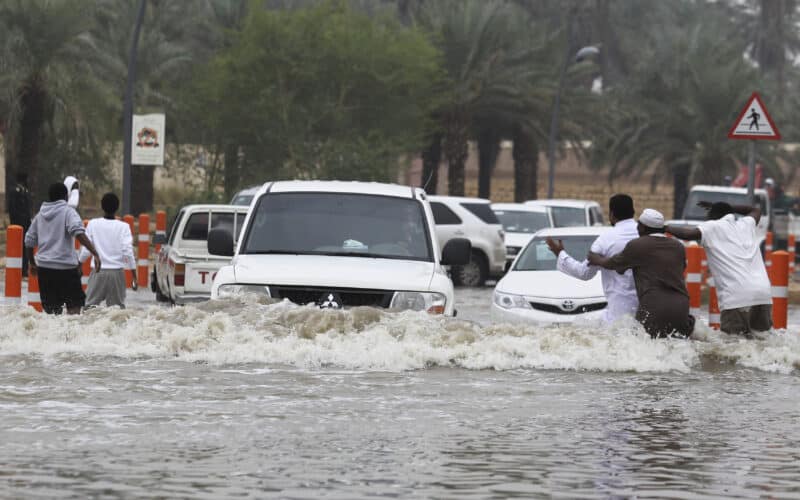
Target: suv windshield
x,y
518,221
342,224
692,212
538,257
568,216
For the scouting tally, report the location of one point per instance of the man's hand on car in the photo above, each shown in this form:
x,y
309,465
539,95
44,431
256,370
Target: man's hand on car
x,y
555,246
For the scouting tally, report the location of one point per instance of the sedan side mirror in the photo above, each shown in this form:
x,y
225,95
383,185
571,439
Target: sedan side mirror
x,y
160,239
456,252
220,242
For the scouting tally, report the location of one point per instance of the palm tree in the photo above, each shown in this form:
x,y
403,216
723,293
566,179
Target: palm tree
x,y
485,64
686,94
167,48
48,89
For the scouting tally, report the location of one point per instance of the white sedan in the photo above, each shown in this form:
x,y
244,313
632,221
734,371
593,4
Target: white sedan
x,y
535,291
520,222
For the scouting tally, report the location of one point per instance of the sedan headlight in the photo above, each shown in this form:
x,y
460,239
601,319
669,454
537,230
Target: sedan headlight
x,y
510,301
432,302
236,289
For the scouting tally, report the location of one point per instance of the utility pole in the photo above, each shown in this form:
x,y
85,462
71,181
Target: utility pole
x,y
127,111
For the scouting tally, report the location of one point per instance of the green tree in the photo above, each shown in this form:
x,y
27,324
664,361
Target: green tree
x,y
51,99
323,92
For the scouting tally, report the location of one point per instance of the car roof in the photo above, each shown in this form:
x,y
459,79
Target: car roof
x,y
353,187
458,199
573,231
562,203
216,207
519,207
725,189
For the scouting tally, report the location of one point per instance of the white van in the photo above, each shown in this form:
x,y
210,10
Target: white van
x,y
340,244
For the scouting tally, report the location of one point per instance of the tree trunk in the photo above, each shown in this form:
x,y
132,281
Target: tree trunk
x,y
31,130
431,158
771,40
488,149
526,166
232,170
680,188
456,150
141,189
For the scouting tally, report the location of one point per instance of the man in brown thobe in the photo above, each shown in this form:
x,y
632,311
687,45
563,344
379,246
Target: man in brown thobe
x,y
658,263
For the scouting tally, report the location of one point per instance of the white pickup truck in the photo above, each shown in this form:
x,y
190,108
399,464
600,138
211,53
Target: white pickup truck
x,y
184,270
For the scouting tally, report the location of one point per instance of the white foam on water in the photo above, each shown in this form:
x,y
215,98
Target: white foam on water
x,y
247,331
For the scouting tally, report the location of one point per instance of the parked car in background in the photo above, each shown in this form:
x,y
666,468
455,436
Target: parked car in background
x,y
184,270
245,196
693,215
520,222
338,245
572,213
471,218
535,291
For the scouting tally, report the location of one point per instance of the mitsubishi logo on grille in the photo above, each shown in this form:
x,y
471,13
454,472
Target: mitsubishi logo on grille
x,y
568,305
330,301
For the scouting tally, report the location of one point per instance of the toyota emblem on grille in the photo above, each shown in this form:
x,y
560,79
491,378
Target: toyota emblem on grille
x,y
330,301
568,305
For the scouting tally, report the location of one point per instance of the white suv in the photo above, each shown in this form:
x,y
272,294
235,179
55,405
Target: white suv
x,y
471,218
338,245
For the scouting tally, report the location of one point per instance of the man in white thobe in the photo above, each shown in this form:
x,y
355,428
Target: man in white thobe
x,y
619,289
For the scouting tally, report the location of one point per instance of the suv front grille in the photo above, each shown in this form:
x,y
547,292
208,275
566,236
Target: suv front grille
x,y
539,306
350,297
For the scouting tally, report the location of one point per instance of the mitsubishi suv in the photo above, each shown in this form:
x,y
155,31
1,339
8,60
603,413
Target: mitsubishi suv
x,y
337,245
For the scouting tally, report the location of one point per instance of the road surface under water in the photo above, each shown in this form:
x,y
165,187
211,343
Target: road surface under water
x,y
248,399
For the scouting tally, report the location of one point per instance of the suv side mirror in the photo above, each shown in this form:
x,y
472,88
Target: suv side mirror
x,y
220,242
456,252
160,239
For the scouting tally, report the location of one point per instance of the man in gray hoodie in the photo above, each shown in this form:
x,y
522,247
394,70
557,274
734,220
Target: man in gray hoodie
x,y
56,263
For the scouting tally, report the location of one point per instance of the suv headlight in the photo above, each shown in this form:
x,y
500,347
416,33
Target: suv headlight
x,y
236,289
432,302
510,301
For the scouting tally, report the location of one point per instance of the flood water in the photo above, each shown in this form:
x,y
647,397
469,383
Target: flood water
x,y
246,399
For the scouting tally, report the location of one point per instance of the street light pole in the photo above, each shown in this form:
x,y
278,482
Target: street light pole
x,y
127,111
551,139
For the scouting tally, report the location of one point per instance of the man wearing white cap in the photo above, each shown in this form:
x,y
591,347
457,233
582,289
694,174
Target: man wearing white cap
x,y
658,263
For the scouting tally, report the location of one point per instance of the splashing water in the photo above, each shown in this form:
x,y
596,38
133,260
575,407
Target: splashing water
x,y
249,331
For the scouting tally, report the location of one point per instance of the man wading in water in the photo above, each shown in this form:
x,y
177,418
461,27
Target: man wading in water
x,y
56,264
734,259
658,263
620,289
113,241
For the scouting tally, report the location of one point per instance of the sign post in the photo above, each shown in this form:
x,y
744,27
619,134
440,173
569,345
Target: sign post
x,y
753,124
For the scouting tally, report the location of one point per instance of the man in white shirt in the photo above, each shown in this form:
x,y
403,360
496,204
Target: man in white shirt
x,y
734,259
113,240
620,289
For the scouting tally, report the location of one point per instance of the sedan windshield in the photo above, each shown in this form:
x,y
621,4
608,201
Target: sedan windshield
x,y
519,221
338,224
538,257
568,216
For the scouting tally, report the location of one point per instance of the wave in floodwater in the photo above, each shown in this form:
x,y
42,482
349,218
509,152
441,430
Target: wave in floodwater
x,y
249,331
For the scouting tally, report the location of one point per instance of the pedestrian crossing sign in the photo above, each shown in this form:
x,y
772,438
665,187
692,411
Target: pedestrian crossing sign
x,y
754,122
